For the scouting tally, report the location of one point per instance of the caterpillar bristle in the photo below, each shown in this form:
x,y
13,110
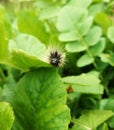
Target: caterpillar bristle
x,y
56,58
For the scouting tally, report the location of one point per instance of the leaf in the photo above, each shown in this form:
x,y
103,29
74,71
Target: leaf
x,y
40,102
80,3
49,12
89,119
83,79
104,21
110,33
68,18
6,116
28,44
73,25
85,60
108,58
76,46
105,127
93,36
5,33
27,52
28,22
97,49
84,83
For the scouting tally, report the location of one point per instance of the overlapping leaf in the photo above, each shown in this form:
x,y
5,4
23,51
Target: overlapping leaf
x,y
6,116
84,83
27,51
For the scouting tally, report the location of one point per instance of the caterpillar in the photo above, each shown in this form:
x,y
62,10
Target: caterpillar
x,y
56,58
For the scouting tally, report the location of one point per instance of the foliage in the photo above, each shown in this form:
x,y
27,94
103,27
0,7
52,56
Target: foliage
x,y
34,94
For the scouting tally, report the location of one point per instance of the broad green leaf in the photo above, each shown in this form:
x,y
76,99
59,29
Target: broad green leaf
x,y
73,25
97,49
28,23
28,44
6,116
80,3
76,46
27,52
84,83
103,20
23,61
85,60
110,33
93,36
40,102
90,120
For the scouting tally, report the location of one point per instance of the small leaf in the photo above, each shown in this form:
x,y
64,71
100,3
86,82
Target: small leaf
x,y
76,46
69,36
6,116
103,20
110,33
108,58
97,49
49,12
93,36
89,119
85,60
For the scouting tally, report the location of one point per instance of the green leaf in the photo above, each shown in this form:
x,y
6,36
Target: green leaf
x,y
5,33
40,102
27,52
49,12
89,119
28,43
80,3
28,23
73,25
93,36
85,60
103,20
6,116
105,127
110,33
97,49
108,58
76,46
84,83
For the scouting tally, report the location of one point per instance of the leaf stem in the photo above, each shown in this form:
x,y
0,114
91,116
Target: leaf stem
x,y
87,49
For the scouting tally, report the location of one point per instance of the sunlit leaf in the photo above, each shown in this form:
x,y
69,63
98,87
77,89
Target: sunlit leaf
x,y
90,121
6,116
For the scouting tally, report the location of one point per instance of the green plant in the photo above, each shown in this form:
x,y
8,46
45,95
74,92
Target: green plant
x,y
43,95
